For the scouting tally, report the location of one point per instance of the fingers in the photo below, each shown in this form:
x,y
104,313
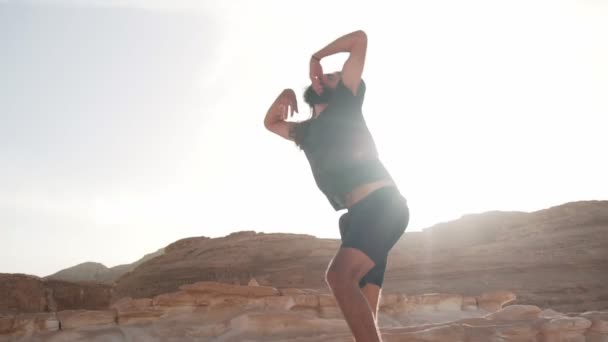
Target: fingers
x,y
287,104
316,86
282,111
293,107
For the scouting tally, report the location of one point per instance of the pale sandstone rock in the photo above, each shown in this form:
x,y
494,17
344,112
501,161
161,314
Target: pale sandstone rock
x,y
413,328
549,313
598,332
288,291
328,307
494,300
393,303
327,301
227,289
71,319
435,302
308,301
330,312
566,323
212,330
450,332
284,324
253,282
564,329
516,331
234,314
427,302
450,302
389,299
280,303
515,312
95,334
599,320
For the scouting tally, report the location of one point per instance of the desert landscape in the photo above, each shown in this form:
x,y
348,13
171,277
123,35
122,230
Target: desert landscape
x,y
494,276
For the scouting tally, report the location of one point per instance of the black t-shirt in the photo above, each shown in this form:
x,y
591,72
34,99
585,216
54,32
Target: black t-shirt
x,y
339,146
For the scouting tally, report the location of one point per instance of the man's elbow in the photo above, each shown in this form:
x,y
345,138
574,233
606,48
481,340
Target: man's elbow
x,y
361,35
271,126
268,122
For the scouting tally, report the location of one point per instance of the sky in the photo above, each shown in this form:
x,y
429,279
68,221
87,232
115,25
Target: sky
x,y
127,125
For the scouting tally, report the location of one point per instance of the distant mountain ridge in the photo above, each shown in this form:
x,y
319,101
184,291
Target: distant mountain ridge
x,y
97,272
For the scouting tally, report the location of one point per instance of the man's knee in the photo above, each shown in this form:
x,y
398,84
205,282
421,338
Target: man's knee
x,y
347,268
336,278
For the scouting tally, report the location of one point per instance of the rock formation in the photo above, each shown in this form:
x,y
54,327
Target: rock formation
x,y
555,258
497,276
209,311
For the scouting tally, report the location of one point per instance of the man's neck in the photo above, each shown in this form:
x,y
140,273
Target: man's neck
x,y
319,108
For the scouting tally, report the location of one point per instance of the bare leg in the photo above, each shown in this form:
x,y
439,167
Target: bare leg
x,y
372,294
343,275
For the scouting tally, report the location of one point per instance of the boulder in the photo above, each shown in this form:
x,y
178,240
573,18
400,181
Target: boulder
x,y
598,332
567,329
494,300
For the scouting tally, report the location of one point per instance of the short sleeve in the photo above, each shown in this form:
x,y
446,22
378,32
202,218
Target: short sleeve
x,y
345,96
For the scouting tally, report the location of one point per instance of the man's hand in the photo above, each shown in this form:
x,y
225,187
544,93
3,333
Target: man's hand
x,y
317,77
287,104
283,107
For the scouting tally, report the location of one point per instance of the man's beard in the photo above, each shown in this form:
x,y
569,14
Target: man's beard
x,y
312,98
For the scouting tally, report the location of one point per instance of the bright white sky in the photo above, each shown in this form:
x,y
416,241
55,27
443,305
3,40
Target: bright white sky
x,y
127,125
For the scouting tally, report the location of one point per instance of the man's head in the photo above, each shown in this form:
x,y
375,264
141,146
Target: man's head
x,y
329,84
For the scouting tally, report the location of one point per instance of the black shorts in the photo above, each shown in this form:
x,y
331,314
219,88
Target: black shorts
x,y
373,225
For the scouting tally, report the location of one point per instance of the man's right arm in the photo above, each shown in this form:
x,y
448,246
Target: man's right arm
x,y
282,107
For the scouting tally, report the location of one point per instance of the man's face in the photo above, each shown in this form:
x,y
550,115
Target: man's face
x,y
329,84
331,80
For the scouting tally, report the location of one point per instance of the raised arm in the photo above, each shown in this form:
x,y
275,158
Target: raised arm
x,y
355,43
283,106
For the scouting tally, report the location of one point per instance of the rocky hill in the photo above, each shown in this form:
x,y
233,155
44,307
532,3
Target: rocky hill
x,y
484,277
96,272
555,257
